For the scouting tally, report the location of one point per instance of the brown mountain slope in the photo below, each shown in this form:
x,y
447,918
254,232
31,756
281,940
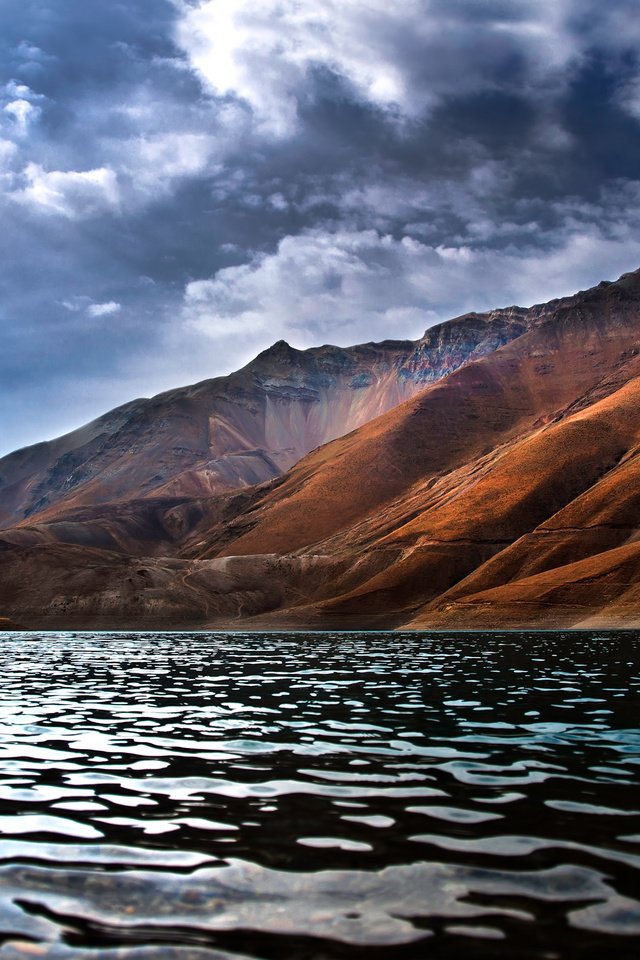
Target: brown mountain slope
x,y
598,591
572,357
484,512
501,495
239,430
417,508
587,539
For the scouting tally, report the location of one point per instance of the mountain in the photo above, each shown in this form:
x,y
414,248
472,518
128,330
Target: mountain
x,y
242,429
496,487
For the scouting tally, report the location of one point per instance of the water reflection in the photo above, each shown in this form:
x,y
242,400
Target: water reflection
x,y
208,796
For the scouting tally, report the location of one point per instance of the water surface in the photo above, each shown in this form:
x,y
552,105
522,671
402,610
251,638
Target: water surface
x,y
208,796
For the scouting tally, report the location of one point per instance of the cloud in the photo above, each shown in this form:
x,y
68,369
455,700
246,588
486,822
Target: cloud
x,y
315,285
23,114
261,52
403,59
104,309
153,162
81,303
8,152
19,113
73,194
348,286
172,155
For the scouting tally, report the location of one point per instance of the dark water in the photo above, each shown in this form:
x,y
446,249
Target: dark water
x,y
320,796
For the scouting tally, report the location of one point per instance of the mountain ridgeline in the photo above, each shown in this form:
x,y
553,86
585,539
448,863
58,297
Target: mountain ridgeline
x,y
484,475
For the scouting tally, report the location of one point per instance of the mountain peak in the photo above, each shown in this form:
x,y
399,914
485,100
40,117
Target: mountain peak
x,y
279,353
279,348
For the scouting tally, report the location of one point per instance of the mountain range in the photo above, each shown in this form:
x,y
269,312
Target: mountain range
x,y
483,476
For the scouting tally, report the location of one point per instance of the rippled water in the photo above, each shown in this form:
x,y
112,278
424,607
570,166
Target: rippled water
x,y
205,796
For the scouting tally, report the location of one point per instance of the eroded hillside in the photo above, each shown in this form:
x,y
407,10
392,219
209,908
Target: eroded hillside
x,y
502,493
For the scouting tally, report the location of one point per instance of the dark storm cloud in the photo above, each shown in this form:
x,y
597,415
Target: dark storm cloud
x,y
182,183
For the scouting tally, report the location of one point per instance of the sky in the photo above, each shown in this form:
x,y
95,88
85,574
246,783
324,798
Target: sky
x,y
183,182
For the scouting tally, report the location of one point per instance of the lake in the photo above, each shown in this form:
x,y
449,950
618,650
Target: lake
x,y
314,796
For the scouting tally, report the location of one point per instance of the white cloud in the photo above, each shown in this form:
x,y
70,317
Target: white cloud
x,y
81,303
74,304
18,108
8,155
23,115
350,286
8,150
72,194
160,141
261,51
29,51
154,161
403,58
104,309
15,89
315,281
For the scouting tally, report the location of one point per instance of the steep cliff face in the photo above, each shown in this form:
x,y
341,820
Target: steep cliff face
x,y
238,430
